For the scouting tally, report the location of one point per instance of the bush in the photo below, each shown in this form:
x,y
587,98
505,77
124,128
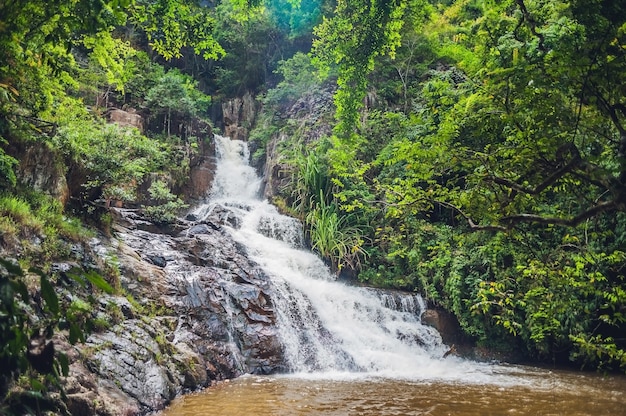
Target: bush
x,y
299,78
168,204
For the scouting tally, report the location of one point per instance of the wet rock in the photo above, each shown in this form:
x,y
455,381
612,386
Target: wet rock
x,y
118,303
212,317
131,361
86,393
63,267
202,167
224,216
205,228
157,260
193,366
446,324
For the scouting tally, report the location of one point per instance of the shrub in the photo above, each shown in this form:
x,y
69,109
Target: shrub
x,y
167,204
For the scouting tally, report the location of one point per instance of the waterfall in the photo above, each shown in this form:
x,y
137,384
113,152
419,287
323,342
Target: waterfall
x,y
325,326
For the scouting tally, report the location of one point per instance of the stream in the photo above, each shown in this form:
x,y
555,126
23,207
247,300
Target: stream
x,y
531,392
357,351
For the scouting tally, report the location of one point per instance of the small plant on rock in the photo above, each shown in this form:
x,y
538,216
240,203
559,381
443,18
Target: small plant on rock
x,y
166,203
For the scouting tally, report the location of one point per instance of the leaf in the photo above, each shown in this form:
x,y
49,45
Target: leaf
x,y
37,385
12,268
94,278
64,364
49,295
98,281
76,333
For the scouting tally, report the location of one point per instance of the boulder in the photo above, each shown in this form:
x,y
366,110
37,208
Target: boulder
x,y
42,169
128,118
446,324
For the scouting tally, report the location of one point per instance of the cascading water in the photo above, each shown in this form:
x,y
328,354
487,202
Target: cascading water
x,y
348,350
326,327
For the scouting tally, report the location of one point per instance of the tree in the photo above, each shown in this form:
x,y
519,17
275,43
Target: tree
x,y
351,39
176,94
514,128
559,127
172,25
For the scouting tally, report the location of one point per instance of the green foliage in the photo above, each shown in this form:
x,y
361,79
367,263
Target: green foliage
x,y
311,184
35,39
176,95
331,231
298,79
40,217
7,163
112,57
512,125
333,237
598,351
357,33
172,25
19,211
253,44
109,155
167,205
296,17
264,130
27,346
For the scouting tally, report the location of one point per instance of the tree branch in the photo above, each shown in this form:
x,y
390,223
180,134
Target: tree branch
x,y
512,220
470,222
532,24
571,222
556,175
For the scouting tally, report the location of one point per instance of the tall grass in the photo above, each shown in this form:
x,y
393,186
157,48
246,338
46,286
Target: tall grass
x,y
333,237
33,214
19,212
310,181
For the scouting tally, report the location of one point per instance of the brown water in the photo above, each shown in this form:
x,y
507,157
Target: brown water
x,y
527,391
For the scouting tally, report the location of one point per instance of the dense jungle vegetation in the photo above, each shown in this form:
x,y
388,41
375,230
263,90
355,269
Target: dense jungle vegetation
x,y
477,155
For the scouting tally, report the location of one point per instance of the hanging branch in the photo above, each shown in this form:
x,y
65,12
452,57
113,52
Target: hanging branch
x,y
469,220
513,220
570,222
555,176
532,24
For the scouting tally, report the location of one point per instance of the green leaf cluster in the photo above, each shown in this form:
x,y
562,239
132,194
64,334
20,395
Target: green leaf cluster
x,y
166,205
171,25
27,346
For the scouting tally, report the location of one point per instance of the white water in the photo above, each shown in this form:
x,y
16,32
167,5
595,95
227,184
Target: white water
x,y
329,329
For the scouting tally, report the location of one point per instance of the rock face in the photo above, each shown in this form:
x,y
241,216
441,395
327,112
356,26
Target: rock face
x,y
42,169
276,175
201,170
239,115
124,118
313,113
206,314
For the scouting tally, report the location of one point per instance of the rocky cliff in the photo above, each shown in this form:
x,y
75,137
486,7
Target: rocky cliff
x,y
192,310
239,115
